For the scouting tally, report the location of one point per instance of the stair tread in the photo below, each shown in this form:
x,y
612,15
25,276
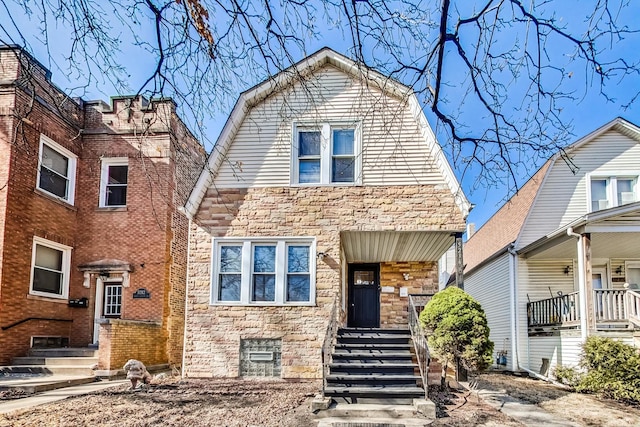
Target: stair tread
x,y
374,364
382,389
373,376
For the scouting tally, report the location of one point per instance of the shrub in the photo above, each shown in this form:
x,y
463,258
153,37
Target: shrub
x,y
568,375
457,330
612,369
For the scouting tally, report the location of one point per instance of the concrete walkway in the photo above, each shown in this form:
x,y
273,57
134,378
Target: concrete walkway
x,y
45,397
527,413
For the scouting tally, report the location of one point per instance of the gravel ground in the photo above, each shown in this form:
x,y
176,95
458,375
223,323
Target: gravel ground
x,y
234,402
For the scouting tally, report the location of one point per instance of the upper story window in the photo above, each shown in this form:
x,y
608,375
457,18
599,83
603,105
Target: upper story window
x,y
50,269
326,154
57,170
263,271
113,182
611,191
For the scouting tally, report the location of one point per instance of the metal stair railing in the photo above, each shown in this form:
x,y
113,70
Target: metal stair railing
x,y
419,339
335,318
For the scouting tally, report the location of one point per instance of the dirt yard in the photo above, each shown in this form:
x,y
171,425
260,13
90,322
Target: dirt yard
x,y
173,402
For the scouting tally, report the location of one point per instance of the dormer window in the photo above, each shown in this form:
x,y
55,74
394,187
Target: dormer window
x,y
611,191
326,154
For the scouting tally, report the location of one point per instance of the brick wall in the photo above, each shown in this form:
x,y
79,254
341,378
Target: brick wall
x,y
121,340
149,234
26,211
422,279
213,337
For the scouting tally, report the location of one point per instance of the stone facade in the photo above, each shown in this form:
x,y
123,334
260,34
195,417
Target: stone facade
x,y
149,235
214,332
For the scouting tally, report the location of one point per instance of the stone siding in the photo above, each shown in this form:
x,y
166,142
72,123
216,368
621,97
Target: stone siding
x,y
212,343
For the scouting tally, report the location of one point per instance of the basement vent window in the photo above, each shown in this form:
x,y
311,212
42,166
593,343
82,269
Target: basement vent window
x,y
49,342
260,357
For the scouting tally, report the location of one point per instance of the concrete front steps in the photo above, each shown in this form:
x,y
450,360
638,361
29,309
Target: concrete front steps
x,y
49,369
373,365
60,361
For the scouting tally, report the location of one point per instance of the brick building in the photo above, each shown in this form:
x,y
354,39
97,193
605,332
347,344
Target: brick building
x,y
93,248
327,192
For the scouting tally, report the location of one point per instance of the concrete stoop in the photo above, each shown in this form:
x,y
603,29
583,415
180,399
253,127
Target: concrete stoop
x,y
421,413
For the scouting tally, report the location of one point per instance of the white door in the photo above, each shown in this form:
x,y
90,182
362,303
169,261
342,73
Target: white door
x,y
600,281
108,302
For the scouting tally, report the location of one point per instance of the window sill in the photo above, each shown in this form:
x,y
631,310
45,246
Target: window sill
x,y
331,184
241,304
111,209
55,199
59,300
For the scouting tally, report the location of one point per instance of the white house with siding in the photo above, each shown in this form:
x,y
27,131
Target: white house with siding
x,y
560,261
327,201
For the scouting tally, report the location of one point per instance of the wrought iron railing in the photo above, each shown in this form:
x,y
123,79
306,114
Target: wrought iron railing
x,y
633,306
561,310
335,319
419,337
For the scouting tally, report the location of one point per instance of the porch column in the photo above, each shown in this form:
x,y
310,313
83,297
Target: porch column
x,y
459,261
588,282
582,285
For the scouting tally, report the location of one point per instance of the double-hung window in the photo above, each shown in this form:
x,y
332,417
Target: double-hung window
x,y
326,154
611,191
50,269
113,182
56,170
263,271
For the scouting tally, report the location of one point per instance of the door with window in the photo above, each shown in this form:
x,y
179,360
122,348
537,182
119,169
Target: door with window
x,y
364,296
600,284
108,302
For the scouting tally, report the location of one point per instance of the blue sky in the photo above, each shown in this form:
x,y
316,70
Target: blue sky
x,y
588,113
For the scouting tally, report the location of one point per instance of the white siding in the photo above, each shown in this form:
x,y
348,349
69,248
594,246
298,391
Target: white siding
x,y
561,350
394,150
563,195
489,285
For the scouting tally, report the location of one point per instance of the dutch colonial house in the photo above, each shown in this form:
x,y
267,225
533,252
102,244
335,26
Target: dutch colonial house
x,y
326,199
92,246
560,261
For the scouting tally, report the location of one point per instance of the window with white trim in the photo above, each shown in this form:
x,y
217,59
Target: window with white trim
x,y
113,182
611,191
50,269
56,170
263,271
326,154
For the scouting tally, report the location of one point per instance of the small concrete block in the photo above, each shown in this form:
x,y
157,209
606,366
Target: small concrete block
x,y
320,403
425,407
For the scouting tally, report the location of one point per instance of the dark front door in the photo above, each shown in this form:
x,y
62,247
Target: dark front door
x,y
364,295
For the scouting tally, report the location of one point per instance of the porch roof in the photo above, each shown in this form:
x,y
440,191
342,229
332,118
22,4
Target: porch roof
x,y
615,233
399,246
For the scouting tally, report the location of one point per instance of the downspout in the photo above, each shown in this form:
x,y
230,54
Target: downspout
x,y
514,306
582,284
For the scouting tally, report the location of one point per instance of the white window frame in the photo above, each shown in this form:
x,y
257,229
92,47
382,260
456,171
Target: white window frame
x,y
104,178
247,244
612,187
66,267
71,171
326,154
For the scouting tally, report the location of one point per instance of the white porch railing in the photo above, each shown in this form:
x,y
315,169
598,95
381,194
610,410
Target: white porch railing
x,y
633,306
609,306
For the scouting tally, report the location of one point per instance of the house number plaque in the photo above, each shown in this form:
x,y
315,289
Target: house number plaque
x,y
142,293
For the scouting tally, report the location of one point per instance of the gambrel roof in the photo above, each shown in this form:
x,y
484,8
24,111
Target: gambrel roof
x,y
295,73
